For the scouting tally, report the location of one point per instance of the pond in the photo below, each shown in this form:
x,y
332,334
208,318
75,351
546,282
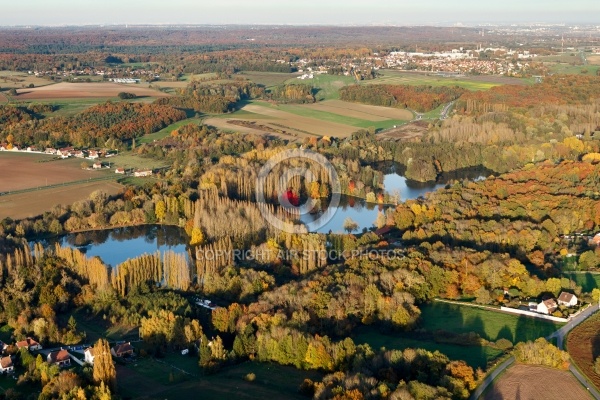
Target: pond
x,y
365,214
115,246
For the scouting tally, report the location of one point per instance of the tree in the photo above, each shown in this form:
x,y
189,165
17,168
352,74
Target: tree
x,y
126,95
104,369
13,92
350,225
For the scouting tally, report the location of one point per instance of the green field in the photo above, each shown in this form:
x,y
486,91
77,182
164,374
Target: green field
x,y
568,69
167,131
587,280
473,355
127,160
490,325
267,79
272,380
337,118
404,78
327,87
95,328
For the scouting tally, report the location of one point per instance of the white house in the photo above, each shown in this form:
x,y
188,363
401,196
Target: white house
x,y
6,365
143,172
547,306
567,299
97,165
120,171
89,355
62,358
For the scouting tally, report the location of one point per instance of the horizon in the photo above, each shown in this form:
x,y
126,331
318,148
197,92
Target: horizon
x,y
291,13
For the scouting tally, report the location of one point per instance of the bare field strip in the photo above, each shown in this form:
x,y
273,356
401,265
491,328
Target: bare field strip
x,y
361,111
299,123
30,204
3,98
594,59
535,382
85,90
23,171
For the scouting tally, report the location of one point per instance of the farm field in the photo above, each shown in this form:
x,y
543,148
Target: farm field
x,y
568,69
13,79
484,82
535,382
128,160
152,379
360,111
85,90
268,79
594,59
23,171
490,325
583,345
475,356
3,98
30,204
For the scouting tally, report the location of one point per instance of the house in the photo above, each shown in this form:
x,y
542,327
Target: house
x,y
93,154
122,350
30,344
547,306
6,365
50,150
142,172
89,355
79,154
381,232
567,299
120,171
97,165
62,358
596,240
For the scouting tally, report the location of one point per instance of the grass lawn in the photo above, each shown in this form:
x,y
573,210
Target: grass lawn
x,y
137,181
568,69
129,160
272,380
490,325
587,280
473,355
6,334
167,131
95,328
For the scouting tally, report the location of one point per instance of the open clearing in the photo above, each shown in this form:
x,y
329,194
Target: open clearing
x,y
267,79
148,378
490,325
594,59
23,171
66,90
391,77
30,204
360,111
535,382
13,79
583,344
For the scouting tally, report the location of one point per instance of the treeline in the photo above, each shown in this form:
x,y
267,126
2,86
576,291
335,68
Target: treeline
x,y
95,126
214,97
419,98
553,90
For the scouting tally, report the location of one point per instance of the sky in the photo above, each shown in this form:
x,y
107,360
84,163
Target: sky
x,y
300,12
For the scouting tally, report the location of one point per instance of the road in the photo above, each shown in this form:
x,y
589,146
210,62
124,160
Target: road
x,y
445,110
490,378
560,337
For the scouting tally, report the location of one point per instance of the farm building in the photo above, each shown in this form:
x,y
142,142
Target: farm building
x,y
120,171
97,165
142,172
547,306
567,299
62,358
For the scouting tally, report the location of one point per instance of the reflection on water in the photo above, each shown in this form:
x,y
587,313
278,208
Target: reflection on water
x,y
116,245
394,181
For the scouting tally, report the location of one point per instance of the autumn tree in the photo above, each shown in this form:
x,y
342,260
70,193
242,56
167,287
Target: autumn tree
x,y
104,369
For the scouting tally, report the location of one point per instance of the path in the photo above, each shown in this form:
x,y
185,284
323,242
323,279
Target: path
x,y
560,335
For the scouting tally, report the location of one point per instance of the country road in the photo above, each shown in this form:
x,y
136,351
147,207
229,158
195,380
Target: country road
x,y
560,335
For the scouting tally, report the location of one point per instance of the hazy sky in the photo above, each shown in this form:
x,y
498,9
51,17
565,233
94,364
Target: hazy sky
x,y
365,12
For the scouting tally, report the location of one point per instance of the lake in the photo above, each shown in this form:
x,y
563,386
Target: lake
x,y
115,246
365,214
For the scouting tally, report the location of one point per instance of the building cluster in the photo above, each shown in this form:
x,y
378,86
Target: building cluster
x,y
460,61
548,306
114,74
